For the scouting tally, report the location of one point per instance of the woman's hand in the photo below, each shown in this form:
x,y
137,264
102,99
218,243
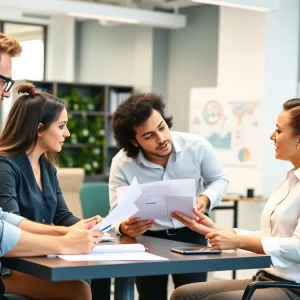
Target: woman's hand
x,y
202,223
82,224
79,241
87,223
225,239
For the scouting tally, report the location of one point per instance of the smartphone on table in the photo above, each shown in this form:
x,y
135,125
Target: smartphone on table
x,y
196,250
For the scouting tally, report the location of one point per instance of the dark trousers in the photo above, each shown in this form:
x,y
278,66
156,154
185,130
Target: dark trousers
x,y
155,287
100,289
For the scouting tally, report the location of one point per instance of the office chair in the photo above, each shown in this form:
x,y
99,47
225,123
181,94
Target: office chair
x,y
253,286
94,199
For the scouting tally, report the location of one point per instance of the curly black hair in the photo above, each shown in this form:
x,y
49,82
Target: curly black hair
x,y
133,112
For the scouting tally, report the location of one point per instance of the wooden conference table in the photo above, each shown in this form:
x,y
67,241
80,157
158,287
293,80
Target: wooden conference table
x,y
56,269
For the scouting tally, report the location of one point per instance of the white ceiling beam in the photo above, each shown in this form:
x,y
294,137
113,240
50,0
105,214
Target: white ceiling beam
x,y
100,11
259,5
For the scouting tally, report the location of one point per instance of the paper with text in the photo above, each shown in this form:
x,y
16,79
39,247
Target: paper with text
x,y
159,199
125,209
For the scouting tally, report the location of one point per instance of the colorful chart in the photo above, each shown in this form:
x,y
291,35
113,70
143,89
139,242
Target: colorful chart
x,y
244,154
212,112
219,141
241,108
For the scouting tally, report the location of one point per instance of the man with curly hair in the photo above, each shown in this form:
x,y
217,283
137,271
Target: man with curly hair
x,y
151,152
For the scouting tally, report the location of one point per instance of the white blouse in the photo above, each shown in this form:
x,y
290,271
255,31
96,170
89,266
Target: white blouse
x,y
280,228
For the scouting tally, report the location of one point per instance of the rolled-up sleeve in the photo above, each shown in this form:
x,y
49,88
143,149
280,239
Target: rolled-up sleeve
x,y
13,219
284,252
214,176
10,218
9,236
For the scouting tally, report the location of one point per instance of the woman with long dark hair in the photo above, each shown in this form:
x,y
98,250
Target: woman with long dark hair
x,y
34,133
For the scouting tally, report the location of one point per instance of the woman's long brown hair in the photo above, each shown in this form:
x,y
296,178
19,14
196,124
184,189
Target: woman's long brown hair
x,y
22,126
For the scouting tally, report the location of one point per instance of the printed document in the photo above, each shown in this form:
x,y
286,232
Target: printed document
x,y
159,199
125,209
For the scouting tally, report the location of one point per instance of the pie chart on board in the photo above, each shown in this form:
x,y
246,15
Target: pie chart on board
x,y
244,154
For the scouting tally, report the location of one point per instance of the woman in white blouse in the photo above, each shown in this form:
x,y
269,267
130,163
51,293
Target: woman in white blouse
x,y
279,235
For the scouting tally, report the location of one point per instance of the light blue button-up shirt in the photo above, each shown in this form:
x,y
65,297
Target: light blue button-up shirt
x,y
193,157
9,232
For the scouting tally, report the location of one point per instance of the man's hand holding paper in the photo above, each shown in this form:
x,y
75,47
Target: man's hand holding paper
x,y
125,209
134,227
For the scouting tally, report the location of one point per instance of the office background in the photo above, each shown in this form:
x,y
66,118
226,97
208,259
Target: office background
x,y
245,53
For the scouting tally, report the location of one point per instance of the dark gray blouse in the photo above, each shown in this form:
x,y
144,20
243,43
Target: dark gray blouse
x,y
21,195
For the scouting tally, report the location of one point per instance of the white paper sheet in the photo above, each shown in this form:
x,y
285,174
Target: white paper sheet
x,y
135,256
159,199
118,248
125,209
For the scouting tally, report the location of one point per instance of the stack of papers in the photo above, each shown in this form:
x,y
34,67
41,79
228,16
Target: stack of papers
x,y
132,252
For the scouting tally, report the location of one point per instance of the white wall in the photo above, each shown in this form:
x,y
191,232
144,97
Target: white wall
x,y
193,55
241,74
60,52
281,78
107,53
163,61
120,55
143,59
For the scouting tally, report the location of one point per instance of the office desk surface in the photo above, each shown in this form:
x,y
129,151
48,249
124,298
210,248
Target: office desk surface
x,y
56,269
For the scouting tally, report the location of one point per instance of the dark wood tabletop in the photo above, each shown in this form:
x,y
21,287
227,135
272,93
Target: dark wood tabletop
x,y
56,269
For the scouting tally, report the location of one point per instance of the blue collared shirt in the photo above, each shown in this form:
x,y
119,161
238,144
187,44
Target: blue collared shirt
x,y
193,157
9,232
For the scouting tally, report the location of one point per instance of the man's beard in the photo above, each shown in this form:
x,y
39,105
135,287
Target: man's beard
x,y
157,154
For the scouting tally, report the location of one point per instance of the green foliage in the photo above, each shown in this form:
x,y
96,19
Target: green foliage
x,y
84,148
83,98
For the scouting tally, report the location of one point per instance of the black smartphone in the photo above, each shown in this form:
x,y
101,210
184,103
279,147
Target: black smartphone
x,y
196,250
